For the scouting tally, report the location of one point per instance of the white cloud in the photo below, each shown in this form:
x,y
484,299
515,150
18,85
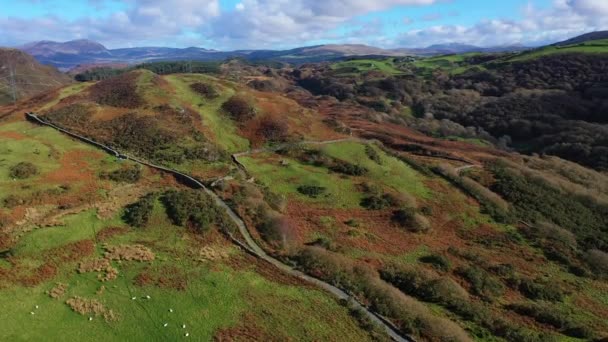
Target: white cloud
x,y
564,19
280,23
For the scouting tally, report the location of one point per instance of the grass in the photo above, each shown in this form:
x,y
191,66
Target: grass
x,y
474,141
224,130
594,46
77,227
386,66
66,92
453,64
393,173
218,296
341,191
285,180
43,147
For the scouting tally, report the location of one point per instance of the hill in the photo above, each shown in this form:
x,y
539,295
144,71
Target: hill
x,y
392,188
598,35
83,52
73,47
22,76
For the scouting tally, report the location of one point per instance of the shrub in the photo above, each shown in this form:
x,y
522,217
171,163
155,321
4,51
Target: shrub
x,y
313,191
375,202
276,229
482,284
204,89
126,175
411,316
273,129
348,168
192,208
138,213
535,200
438,261
540,290
23,170
550,314
491,203
239,108
118,91
373,154
598,261
424,285
412,221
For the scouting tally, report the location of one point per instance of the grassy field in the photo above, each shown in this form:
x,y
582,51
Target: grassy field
x,y
216,295
203,283
222,127
592,47
454,64
66,92
386,66
342,192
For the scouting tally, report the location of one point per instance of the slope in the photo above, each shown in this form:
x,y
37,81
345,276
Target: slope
x,y
22,76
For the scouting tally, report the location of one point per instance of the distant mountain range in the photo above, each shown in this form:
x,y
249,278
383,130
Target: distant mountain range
x,y
67,55
81,53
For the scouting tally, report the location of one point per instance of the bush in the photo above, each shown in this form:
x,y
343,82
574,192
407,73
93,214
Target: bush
x,y
411,316
373,154
126,175
273,129
438,261
535,200
191,208
276,229
375,202
348,168
118,91
313,191
412,221
424,285
550,314
204,89
23,170
491,203
239,108
598,261
540,290
482,284
138,213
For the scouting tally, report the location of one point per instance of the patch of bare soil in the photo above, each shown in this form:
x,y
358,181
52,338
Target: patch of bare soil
x,y
128,253
87,306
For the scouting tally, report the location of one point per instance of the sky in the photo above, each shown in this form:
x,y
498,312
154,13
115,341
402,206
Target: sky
x,y
280,24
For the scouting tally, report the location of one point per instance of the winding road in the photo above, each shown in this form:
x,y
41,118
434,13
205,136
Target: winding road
x,y
250,245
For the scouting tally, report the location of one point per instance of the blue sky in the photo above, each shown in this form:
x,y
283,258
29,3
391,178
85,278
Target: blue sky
x,y
230,24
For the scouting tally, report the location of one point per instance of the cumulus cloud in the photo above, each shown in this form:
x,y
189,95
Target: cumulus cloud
x,y
144,21
280,23
564,19
263,23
